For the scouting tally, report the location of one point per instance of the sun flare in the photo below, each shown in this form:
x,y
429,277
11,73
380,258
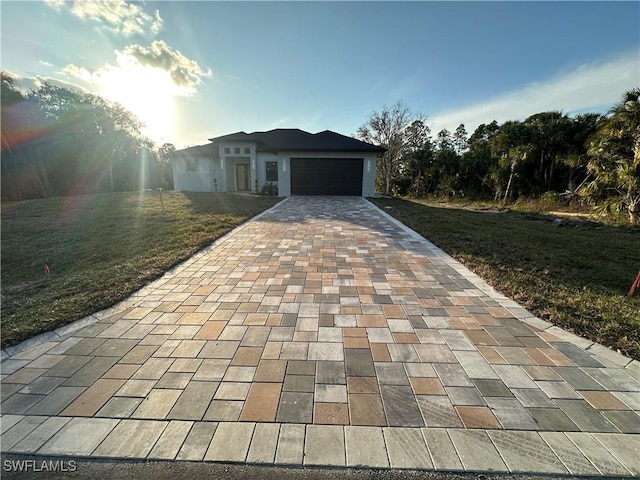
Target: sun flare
x,y
145,91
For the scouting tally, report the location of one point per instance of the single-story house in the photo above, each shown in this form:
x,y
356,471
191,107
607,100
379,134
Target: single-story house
x,y
297,162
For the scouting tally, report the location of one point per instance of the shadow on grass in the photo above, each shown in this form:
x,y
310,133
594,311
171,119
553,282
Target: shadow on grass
x,y
204,202
100,249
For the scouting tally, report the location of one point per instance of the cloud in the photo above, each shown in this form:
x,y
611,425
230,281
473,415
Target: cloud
x,y
78,72
587,88
28,83
186,73
119,15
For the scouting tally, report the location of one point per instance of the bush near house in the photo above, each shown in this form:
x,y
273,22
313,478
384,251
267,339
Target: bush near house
x,y
270,189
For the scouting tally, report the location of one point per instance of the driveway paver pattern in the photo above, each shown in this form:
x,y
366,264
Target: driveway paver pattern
x,y
324,332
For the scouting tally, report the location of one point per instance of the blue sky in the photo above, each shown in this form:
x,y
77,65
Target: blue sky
x,y
193,70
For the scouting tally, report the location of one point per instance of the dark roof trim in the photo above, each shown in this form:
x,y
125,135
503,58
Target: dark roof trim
x,y
207,150
283,139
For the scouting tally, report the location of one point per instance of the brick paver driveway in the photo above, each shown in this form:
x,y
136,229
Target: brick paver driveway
x,y
325,333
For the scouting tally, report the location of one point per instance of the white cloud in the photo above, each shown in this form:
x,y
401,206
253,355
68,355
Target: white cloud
x,y
119,15
587,88
78,72
185,74
28,83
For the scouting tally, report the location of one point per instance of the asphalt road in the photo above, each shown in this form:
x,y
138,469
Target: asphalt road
x,y
39,468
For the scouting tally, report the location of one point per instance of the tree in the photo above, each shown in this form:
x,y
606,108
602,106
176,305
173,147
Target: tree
x,y
460,142
164,170
418,160
615,159
57,141
23,173
447,163
513,143
575,158
479,160
388,129
549,134
417,135
444,140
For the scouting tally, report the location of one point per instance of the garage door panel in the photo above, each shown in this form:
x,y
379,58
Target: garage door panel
x,y
326,176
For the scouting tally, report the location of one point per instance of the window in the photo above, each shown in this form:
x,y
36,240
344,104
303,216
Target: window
x,y
192,164
236,150
247,151
227,150
272,171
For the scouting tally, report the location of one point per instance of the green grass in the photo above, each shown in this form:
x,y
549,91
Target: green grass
x,y
101,248
575,276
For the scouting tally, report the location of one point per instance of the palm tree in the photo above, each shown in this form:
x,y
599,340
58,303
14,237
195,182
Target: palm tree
x,y
615,158
575,160
513,145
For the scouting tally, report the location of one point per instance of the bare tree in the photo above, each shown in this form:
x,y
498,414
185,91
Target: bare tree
x,y
387,128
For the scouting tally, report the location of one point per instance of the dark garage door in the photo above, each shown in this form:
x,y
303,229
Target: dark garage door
x,y
326,176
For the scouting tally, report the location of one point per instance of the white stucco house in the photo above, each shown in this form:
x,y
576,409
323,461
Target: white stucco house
x,y
297,162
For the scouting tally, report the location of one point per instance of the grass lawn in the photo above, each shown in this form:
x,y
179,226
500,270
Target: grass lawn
x,y
575,276
101,248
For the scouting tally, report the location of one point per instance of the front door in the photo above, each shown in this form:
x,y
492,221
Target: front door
x,y
243,177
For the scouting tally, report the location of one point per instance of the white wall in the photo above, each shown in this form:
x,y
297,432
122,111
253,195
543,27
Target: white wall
x,y
193,181
261,169
369,175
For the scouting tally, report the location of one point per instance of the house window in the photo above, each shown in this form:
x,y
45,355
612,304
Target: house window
x,y
236,150
247,151
272,171
227,150
192,164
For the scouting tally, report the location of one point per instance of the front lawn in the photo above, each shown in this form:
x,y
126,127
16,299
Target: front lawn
x,y
575,275
101,248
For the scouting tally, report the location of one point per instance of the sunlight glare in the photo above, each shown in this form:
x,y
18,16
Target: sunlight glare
x,y
145,91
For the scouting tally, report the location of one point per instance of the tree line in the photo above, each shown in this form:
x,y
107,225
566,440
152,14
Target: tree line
x,y
589,158
58,141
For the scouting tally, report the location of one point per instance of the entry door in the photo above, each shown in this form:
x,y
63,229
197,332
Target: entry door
x,y
243,177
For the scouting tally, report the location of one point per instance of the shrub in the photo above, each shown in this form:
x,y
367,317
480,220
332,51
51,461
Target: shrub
x,y
269,189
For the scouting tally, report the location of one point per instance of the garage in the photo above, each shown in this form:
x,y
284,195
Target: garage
x,y
326,176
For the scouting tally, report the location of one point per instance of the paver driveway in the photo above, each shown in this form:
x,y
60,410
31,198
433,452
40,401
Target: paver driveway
x,y
323,332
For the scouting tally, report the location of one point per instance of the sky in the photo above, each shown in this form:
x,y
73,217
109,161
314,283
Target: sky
x,y
195,70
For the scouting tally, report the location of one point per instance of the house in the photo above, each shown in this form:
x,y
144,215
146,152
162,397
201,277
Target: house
x,y
297,162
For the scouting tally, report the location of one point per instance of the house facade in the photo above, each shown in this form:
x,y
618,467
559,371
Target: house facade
x,y
294,161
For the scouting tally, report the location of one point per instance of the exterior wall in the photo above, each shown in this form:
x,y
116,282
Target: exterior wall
x,y
219,174
369,175
261,169
284,176
193,181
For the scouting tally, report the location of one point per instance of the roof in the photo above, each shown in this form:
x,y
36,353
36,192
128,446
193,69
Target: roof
x,y
206,150
289,139
296,139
